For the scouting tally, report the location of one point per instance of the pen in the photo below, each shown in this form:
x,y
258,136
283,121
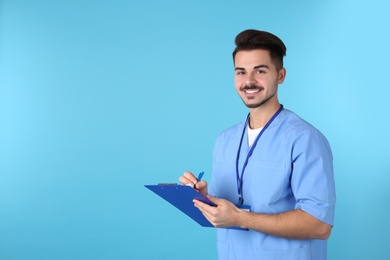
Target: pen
x,y
199,178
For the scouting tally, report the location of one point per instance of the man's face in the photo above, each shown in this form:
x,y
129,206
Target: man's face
x,y
256,77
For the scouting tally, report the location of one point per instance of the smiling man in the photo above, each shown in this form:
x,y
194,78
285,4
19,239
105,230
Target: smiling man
x,y
273,172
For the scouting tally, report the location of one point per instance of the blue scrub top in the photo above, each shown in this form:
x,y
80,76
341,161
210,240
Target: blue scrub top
x,y
290,168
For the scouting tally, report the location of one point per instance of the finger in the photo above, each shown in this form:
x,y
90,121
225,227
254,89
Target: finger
x,y
200,185
207,211
214,200
190,177
205,208
187,178
183,180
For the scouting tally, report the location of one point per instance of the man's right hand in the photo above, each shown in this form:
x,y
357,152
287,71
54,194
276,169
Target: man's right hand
x,y
188,178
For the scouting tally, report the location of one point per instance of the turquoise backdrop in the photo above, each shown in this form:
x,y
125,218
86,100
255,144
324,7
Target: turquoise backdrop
x,y
99,97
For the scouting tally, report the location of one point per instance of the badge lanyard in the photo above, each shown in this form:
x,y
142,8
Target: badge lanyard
x,y
240,179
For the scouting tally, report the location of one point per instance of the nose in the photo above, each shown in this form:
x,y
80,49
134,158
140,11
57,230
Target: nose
x,y
250,79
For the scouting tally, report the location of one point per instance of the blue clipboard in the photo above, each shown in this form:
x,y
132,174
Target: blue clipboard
x,y
182,198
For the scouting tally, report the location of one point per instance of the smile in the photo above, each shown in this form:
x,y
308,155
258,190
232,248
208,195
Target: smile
x,y
251,91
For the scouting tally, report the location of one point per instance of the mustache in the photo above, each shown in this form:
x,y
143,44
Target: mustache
x,y
250,87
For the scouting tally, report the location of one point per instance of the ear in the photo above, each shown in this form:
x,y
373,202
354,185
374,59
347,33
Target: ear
x,y
282,75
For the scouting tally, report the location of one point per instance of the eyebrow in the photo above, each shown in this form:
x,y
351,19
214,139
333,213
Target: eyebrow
x,y
255,67
261,66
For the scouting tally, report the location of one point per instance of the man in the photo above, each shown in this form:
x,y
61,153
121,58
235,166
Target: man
x,y
272,173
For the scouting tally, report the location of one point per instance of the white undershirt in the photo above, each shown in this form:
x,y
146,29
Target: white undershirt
x,y
252,134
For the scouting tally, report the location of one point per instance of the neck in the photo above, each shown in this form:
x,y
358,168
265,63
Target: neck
x,y
260,116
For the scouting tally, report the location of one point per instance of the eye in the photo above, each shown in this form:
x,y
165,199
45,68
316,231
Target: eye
x,y
240,72
260,71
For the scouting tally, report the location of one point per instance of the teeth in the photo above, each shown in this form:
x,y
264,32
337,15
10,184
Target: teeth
x,y
251,91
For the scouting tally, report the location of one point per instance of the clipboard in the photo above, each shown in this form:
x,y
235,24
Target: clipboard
x,y
181,197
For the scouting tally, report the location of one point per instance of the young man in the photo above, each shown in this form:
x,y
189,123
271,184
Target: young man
x,y
273,172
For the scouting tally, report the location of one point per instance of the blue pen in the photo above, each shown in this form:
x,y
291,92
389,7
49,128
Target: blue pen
x,y
199,178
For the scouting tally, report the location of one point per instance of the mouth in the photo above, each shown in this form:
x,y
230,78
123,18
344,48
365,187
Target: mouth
x,y
251,91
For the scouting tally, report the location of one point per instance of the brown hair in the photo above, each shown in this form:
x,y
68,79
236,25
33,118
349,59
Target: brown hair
x,y
249,40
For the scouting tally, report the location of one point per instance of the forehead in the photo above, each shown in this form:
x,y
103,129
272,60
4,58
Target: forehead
x,y
252,58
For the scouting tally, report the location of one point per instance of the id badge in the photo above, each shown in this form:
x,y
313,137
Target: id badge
x,y
245,207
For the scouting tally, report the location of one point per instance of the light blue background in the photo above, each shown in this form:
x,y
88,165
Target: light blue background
x,y
98,98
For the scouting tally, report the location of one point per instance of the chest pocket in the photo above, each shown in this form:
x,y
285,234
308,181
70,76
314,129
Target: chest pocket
x,y
266,182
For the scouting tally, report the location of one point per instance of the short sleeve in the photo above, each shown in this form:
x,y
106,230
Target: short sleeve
x,y
312,179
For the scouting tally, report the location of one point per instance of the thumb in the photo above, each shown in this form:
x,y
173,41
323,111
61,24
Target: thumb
x,y
214,200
